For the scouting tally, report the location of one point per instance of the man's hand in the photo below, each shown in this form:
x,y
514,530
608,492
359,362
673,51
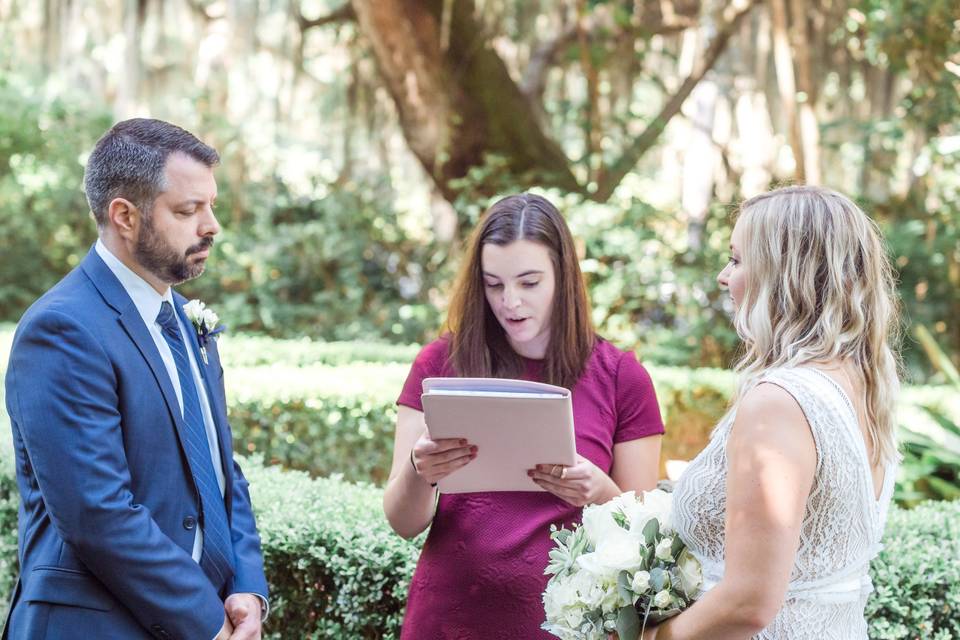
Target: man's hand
x,y
243,610
226,630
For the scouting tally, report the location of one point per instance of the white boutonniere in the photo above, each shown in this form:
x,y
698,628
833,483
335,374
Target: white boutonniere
x,y
206,323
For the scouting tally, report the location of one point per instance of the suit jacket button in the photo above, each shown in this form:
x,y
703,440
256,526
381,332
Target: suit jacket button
x,y
189,523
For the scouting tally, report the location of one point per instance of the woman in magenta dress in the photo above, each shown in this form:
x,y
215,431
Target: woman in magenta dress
x,y
519,310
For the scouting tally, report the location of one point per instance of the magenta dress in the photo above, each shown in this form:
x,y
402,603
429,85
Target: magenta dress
x,y
480,574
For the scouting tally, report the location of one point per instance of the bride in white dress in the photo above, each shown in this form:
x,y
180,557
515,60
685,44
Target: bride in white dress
x,y
786,506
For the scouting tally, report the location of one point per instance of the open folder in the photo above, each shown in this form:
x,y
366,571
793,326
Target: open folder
x,y
515,424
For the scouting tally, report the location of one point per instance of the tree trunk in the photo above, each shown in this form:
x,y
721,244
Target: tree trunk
x,y
786,82
809,128
699,161
458,104
128,93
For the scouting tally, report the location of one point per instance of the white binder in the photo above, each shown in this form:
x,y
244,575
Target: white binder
x,y
515,424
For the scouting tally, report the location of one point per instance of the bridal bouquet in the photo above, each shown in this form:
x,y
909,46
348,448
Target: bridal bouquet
x,y
623,568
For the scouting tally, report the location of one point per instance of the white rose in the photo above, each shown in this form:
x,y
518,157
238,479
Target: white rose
x,y
655,504
641,582
194,310
615,553
662,600
690,572
663,549
598,522
210,319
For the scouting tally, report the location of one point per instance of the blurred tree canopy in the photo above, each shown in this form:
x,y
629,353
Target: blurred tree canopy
x,y
361,139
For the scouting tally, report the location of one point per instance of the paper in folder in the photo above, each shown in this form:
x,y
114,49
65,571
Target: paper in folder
x,y
515,424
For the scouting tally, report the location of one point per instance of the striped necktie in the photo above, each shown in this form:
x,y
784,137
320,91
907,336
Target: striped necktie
x,y
217,557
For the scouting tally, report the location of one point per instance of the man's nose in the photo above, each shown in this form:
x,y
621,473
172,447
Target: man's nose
x,y
210,225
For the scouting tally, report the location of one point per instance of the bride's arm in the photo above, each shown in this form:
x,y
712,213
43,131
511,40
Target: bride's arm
x,y
772,460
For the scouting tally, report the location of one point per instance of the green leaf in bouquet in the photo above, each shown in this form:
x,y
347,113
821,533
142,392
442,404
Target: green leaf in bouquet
x,y
646,556
560,535
628,623
580,543
621,519
676,547
624,584
659,579
651,531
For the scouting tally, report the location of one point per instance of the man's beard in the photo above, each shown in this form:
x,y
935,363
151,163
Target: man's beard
x,y
157,256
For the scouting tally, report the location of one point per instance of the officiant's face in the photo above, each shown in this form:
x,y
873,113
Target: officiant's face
x,y
175,239
734,274
519,281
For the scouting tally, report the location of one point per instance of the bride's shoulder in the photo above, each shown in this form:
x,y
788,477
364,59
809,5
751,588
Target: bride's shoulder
x,y
769,415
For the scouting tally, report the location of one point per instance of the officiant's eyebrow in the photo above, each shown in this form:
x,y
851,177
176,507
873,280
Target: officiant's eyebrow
x,y
531,272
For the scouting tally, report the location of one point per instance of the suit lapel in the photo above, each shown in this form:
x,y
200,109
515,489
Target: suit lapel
x,y
131,321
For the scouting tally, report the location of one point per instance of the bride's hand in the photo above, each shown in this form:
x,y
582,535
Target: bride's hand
x,y
581,484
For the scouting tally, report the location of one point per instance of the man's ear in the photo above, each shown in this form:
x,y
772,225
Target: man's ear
x,y
124,217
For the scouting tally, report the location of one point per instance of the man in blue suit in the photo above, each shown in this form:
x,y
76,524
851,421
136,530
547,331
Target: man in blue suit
x,y
134,520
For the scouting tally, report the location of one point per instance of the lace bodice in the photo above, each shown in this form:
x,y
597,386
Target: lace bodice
x,y
842,524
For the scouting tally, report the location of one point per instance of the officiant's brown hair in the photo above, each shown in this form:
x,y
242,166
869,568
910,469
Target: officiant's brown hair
x,y
478,344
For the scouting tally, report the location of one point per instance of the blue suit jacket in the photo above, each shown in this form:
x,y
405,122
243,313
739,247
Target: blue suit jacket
x,y
108,509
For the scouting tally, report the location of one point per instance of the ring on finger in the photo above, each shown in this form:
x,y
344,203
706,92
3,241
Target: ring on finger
x,y
554,469
563,473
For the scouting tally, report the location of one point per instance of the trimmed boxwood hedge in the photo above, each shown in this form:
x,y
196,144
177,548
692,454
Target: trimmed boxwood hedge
x,y
290,404
326,420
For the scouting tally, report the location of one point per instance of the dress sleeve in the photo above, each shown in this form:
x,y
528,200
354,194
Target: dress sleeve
x,y
638,412
428,363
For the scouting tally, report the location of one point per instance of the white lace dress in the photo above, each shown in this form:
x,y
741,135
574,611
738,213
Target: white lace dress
x,y
842,524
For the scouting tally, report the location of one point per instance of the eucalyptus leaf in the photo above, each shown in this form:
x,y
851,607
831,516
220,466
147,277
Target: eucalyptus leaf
x,y
646,556
628,623
676,547
658,579
624,584
651,531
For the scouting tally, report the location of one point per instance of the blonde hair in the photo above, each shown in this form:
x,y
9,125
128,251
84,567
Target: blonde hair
x,y
819,287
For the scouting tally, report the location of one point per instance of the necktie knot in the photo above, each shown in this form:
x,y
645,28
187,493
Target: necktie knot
x,y
167,319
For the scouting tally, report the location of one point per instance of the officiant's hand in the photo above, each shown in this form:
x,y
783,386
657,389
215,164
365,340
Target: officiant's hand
x,y
581,484
436,459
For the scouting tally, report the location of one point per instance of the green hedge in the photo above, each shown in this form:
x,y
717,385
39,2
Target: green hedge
x,y
306,414
336,570
247,350
917,575
341,419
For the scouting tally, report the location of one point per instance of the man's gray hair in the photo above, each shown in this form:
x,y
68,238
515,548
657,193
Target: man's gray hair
x,y
128,162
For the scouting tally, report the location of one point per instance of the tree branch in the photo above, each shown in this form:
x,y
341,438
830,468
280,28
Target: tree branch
x,y
344,14
545,56
535,77
731,18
